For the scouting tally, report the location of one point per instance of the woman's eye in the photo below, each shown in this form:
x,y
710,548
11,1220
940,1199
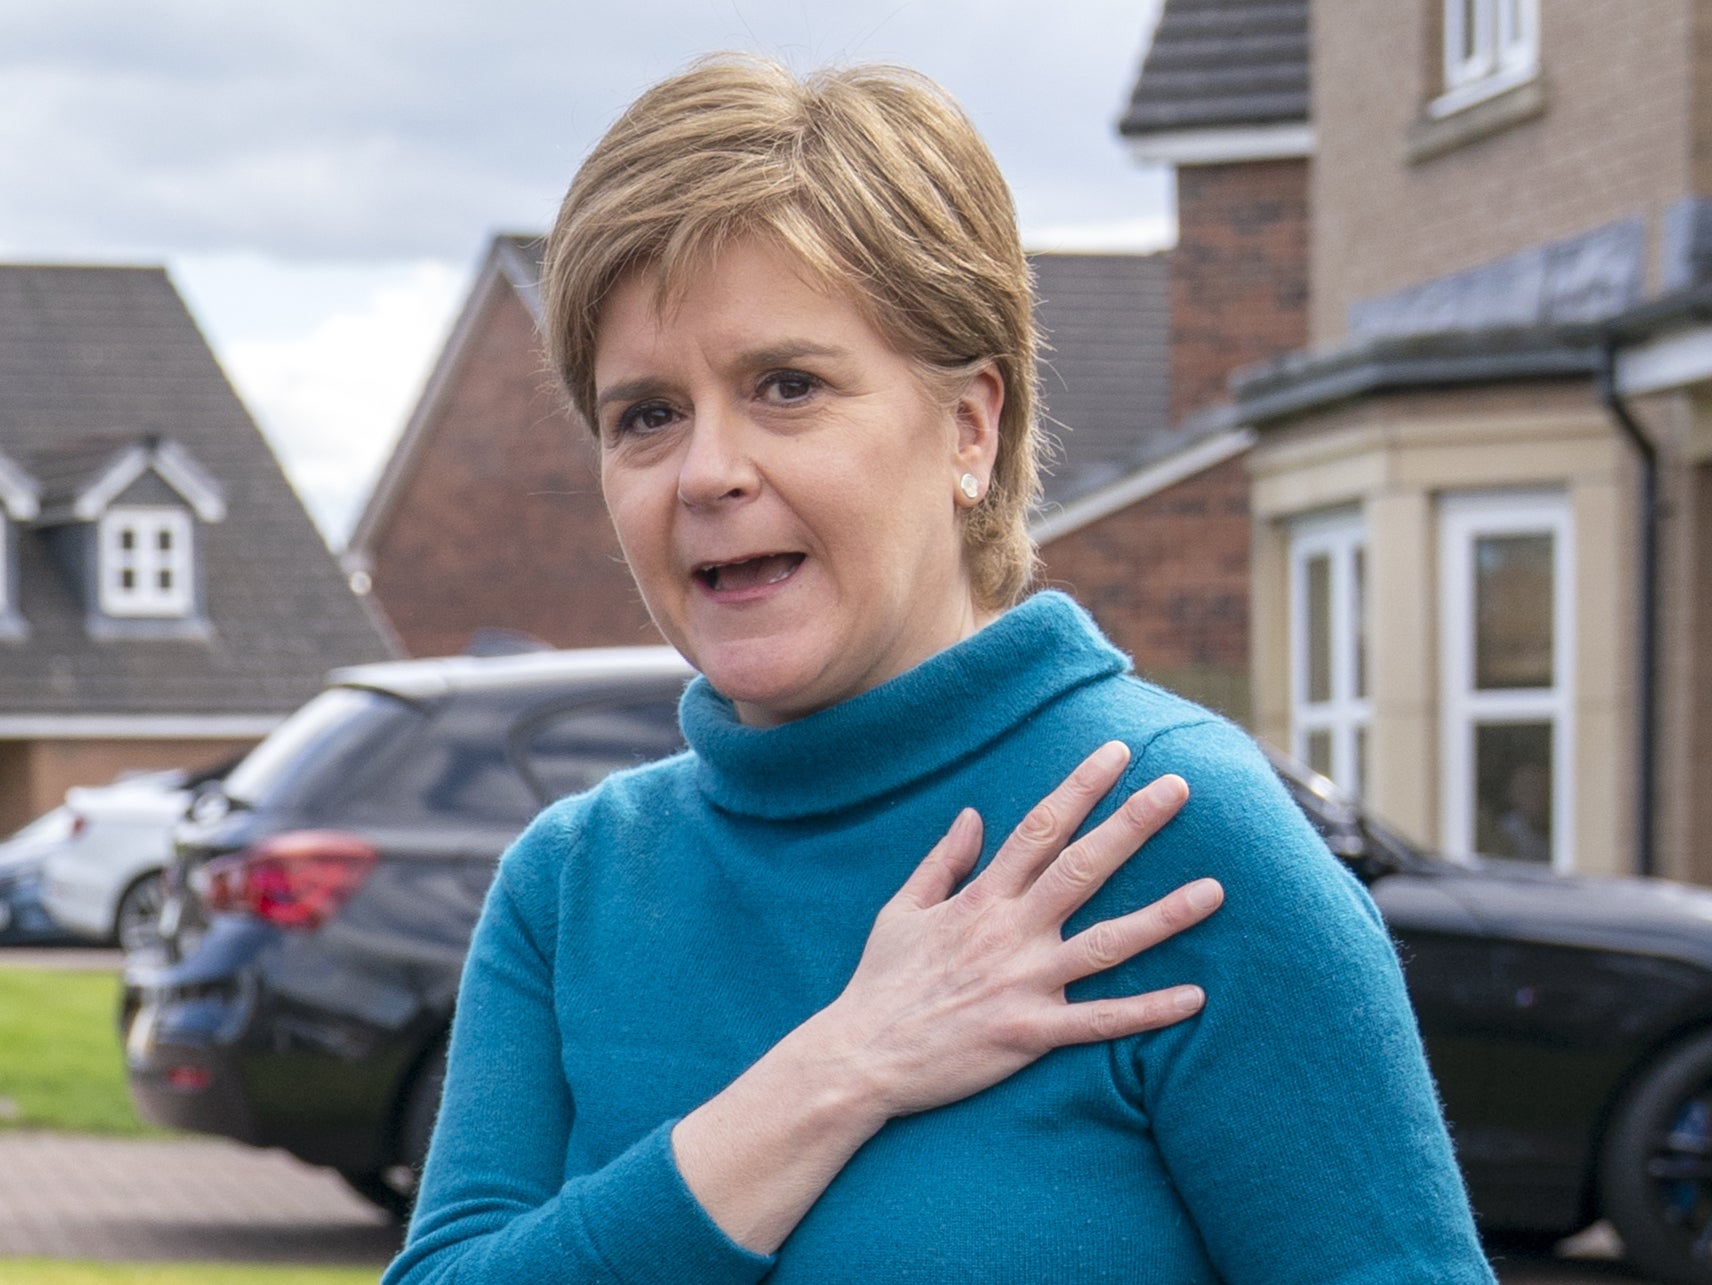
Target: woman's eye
x,y
788,386
642,418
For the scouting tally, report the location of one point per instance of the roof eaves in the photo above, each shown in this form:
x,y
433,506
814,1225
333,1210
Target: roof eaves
x,y
20,496
1303,382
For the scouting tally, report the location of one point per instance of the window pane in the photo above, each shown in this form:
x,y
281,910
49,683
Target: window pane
x,y
127,538
1319,605
1512,611
1512,782
127,579
574,749
1358,787
1359,569
1320,752
165,579
163,540
1470,28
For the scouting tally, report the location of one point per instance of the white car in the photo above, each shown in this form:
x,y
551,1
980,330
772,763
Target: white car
x,y
103,881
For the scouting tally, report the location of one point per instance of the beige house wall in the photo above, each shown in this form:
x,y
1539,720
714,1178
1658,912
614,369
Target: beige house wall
x,y
35,774
1395,459
1607,142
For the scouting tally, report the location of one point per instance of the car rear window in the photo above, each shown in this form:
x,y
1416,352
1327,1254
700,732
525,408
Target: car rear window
x,y
570,750
320,748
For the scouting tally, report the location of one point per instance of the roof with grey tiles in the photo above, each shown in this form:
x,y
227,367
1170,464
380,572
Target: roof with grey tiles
x,y
1220,64
1105,377
90,357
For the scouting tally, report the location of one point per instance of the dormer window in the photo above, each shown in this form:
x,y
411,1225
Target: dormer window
x,y
146,562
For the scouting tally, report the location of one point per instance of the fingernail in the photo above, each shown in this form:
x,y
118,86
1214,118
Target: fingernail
x,y
1111,754
1188,999
1204,894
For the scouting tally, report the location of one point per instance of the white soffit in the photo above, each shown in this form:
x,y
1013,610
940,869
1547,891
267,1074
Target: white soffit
x,y
1141,484
1675,359
121,727
1224,146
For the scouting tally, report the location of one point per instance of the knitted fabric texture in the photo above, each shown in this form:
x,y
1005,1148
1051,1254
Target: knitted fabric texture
x,y
646,942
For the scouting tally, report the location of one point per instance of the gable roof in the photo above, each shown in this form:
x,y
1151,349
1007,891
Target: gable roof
x,y
1223,80
512,262
80,478
104,376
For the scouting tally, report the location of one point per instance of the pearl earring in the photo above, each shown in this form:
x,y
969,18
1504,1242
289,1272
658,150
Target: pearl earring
x,y
970,487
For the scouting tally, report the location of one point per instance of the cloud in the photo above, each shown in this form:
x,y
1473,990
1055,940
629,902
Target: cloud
x,y
390,129
332,398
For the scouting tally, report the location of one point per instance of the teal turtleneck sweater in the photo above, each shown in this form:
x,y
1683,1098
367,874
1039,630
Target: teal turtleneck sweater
x,y
644,943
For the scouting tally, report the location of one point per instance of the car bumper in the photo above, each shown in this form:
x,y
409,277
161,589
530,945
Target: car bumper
x,y
83,908
214,1044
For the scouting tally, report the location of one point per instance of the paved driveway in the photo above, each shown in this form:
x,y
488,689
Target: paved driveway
x,y
137,1200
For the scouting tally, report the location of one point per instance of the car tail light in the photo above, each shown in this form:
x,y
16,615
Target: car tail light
x,y
299,879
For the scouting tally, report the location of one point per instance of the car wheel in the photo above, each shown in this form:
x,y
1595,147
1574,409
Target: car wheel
x,y
394,1189
1656,1168
136,924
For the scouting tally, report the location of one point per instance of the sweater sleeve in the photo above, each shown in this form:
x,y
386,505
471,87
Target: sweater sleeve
x,y
1295,1113
496,1204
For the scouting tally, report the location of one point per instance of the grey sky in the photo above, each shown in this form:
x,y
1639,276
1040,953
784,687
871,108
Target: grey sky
x,y
292,161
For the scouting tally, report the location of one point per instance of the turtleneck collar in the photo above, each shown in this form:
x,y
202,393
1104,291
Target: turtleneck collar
x,y
948,707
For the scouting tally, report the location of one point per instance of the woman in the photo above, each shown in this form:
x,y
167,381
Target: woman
x,y
713,1026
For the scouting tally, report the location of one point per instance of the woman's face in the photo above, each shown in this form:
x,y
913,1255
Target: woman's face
x,y
784,487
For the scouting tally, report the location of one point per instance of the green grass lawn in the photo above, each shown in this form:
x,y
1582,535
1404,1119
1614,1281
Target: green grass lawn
x,y
47,1271
60,1062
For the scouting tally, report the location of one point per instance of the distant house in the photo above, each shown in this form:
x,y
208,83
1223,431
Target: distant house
x,y
1161,549
1498,407
487,520
164,599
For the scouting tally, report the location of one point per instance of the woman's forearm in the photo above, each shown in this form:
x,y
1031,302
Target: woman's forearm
x,y
760,1153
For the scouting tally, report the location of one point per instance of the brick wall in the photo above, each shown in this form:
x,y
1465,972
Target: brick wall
x,y
1239,274
501,522
1167,579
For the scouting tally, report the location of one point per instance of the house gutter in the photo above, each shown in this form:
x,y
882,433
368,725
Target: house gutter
x,y
1646,789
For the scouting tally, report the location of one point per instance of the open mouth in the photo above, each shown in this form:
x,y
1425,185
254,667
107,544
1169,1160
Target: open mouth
x,y
748,573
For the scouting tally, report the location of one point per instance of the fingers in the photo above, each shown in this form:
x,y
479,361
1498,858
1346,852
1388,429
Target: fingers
x,y
1110,942
1083,867
1093,1020
945,866
1042,834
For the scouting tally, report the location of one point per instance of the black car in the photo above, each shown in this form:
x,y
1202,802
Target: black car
x,y
322,903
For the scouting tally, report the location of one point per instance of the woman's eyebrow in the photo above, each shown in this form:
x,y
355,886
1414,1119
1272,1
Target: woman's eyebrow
x,y
787,351
631,390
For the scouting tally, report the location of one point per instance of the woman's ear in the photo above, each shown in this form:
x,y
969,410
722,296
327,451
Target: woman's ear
x,y
977,410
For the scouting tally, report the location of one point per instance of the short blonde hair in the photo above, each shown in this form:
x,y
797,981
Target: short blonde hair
x,y
876,179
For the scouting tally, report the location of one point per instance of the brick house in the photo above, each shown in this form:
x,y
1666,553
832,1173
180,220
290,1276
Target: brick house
x,y
1161,553
164,598
1510,258
488,516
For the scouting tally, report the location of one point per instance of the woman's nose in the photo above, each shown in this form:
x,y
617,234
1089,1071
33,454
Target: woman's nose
x,y
717,464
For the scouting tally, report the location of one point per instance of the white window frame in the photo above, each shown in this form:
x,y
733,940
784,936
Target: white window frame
x,y
1347,714
145,598
1504,51
1463,519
